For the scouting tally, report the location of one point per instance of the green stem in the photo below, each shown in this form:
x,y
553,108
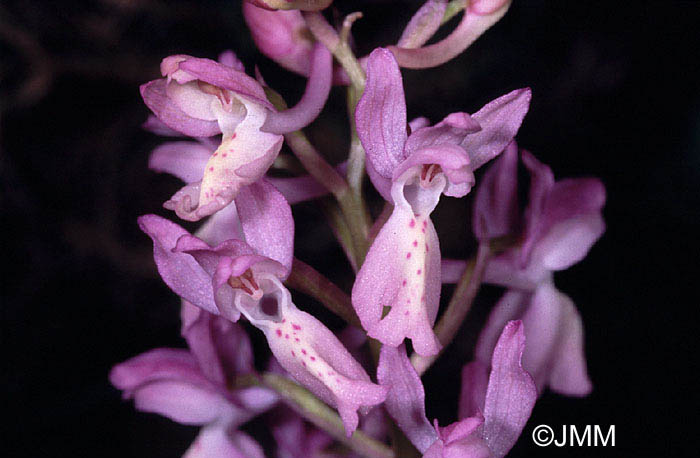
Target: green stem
x,y
323,32
316,165
458,307
308,280
311,408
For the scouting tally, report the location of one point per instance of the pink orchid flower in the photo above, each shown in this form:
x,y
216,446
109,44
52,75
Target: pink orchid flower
x,y
190,387
243,274
561,223
201,98
402,268
493,408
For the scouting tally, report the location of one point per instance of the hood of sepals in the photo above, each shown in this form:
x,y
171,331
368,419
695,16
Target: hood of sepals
x,y
429,172
236,271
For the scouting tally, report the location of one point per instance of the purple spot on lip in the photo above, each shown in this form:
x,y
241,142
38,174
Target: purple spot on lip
x,y
296,327
419,272
408,255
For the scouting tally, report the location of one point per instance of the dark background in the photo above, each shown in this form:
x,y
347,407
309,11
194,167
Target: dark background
x,y
615,95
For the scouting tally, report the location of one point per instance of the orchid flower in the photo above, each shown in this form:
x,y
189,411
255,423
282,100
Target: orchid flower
x,y
243,273
402,268
493,408
190,387
201,98
561,223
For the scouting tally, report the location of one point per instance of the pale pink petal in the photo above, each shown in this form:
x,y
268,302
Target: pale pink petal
x,y
510,306
452,130
181,402
217,441
266,220
222,76
569,242
473,24
511,392
401,271
423,24
311,353
155,96
308,108
241,159
185,160
541,183
230,59
496,203
381,113
179,271
475,379
568,374
281,35
158,127
500,120
156,364
405,400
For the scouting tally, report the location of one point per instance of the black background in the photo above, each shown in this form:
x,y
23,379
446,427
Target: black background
x,y
615,95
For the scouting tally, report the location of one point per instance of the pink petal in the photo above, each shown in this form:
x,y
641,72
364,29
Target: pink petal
x,y
155,97
511,306
453,161
472,25
181,402
405,276
452,130
223,76
475,378
500,120
179,271
308,108
314,356
158,127
496,202
266,220
569,242
423,24
405,400
230,59
511,392
221,226
280,35
160,363
216,441
548,320
241,159
541,182
220,346
568,374
381,113
185,160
